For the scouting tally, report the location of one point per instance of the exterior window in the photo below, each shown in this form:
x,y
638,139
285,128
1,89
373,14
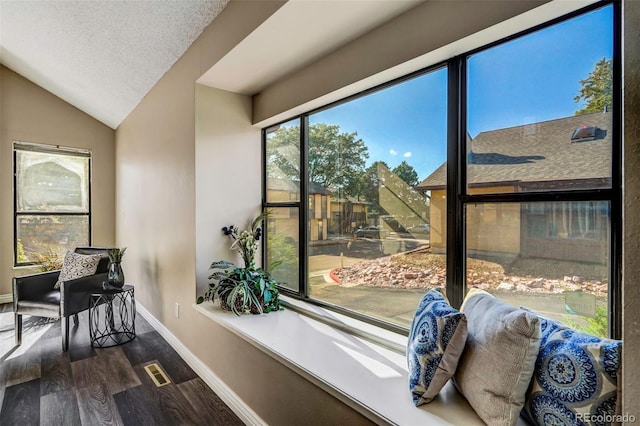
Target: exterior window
x,y
368,154
525,145
529,211
585,133
364,213
282,148
283,242
52,201
283,163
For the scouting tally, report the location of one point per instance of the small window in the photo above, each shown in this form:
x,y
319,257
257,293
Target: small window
x,y
583,134
52,201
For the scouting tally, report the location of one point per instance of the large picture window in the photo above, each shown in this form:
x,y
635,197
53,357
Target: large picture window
x,y
498,169
52,201
541,127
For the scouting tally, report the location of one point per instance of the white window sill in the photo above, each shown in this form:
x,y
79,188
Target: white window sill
x,y
366,376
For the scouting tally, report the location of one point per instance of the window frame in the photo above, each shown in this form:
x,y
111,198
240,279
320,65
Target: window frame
x,y
456,192
57,150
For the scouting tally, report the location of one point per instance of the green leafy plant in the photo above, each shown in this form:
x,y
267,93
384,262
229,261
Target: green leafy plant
x,y
242,290
596,326
246,241
248,289
116,254
22,257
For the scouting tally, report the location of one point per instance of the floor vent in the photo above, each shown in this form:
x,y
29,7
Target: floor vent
x,y
157,375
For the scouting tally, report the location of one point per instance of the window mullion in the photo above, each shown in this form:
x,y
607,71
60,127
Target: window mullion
x,y
304,206
456,128
615,246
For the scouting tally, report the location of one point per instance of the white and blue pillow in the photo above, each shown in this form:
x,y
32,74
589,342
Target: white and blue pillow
x,y
436,341
575,378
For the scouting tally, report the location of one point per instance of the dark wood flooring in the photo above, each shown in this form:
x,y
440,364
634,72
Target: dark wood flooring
x,y
42,385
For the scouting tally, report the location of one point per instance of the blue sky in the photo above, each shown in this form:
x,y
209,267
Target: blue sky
x,y
531,79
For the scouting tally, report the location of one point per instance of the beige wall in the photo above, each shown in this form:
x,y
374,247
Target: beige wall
x,y
483,224
176,186
228,174
631,213
31,114
227,191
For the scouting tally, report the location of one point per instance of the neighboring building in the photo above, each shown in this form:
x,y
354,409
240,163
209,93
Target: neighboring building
x,y
346,214
319,208
567,153
327,212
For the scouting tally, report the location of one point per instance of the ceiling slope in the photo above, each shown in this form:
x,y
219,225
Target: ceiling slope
x,y
102,56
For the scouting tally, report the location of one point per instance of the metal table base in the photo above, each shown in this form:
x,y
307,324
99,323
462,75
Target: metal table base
x,y
112,317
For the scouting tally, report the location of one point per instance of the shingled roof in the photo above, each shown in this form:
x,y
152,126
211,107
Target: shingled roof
x,y
537,156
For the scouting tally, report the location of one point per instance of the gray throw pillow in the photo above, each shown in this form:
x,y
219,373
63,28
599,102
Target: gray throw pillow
x,y
76,265
497,364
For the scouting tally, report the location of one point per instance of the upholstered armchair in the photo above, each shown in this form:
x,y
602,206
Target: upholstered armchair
x,y
36,295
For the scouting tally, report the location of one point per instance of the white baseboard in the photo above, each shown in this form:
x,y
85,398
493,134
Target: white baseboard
x,y
6,298
237,405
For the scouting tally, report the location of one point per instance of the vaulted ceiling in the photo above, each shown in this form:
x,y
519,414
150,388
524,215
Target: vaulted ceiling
x,y
103,56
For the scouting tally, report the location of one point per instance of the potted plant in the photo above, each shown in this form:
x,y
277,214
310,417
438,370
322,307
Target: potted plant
x,y
245,289
115,276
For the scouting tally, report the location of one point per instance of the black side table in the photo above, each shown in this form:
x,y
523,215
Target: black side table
x,y
112,317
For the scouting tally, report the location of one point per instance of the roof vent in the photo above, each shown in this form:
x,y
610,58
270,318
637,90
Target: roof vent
x,y
583,134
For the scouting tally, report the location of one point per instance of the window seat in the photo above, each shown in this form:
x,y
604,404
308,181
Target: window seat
x,y
366,376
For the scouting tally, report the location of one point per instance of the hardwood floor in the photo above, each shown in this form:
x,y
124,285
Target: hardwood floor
x,y
42,385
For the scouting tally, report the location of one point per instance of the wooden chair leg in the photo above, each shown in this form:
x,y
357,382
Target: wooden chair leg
x,y
65,333
18,328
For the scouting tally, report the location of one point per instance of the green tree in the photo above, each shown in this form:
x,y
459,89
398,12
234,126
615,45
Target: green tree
x,y
596,92
22,257
390,194
336,159
371,181
282,255
407,173
283,153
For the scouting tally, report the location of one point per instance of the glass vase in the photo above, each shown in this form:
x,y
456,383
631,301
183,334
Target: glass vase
x,y
115,276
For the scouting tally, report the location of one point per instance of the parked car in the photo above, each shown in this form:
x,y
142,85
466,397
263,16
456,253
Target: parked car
x,y
368,232
423,228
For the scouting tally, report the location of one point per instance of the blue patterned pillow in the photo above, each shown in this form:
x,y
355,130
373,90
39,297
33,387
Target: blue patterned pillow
x,y
575,380
436,340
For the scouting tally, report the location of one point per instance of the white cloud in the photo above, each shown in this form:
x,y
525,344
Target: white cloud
x,y
393,152
407,154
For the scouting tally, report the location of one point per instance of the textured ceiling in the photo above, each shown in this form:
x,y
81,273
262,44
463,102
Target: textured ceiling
x,y
101,56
